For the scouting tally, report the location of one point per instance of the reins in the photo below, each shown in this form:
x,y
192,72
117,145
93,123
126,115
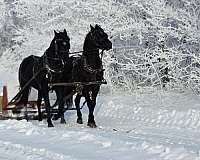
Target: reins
x,y
89,51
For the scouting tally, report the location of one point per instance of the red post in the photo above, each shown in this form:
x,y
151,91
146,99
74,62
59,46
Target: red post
x,y
5,98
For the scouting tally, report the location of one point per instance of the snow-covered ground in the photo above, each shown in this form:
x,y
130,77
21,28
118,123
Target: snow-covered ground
x,y
142,126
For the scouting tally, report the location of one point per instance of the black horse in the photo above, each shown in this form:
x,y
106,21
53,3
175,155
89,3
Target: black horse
x,y
38,72
88,68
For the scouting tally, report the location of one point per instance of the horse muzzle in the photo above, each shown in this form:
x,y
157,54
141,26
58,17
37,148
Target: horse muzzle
x,y
108,46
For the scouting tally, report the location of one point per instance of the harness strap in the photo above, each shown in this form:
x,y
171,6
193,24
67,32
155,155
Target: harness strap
x,y
90,69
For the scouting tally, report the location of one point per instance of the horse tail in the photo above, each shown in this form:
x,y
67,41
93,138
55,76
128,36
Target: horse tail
x,y
23,99
67,98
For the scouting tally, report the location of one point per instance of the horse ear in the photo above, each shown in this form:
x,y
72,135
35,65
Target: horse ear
x,y
92,28
97,26
65,31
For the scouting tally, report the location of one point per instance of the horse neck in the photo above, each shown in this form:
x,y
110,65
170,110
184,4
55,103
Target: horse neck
x,y
50,52
91,53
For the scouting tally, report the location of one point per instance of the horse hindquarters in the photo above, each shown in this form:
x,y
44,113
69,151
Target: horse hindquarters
x,y
25,74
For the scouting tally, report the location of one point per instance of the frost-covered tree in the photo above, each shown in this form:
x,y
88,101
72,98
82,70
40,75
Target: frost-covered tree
x,y
160,40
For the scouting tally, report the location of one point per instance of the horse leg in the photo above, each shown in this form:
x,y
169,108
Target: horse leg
x,y
25,101
91,102
47,103
61,106
77,104
57,115
39,101
60,114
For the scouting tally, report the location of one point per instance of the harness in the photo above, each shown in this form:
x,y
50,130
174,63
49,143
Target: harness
x,y
48,66
58,60
88,68
91,73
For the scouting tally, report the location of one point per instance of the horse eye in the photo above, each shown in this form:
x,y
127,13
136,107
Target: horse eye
x,y
64,43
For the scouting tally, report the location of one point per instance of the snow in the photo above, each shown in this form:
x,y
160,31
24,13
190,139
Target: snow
x,y
146,124
128,128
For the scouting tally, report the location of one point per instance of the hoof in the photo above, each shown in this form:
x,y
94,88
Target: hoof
x,y
79,121
49,122
92,125
50,125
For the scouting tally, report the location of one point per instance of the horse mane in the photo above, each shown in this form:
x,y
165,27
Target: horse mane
x,y
86,45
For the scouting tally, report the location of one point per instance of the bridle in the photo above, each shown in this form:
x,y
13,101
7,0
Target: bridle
x,y
86,66
56,47
58,59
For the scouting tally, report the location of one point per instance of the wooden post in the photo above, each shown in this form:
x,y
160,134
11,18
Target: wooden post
x,y
1,106
5,98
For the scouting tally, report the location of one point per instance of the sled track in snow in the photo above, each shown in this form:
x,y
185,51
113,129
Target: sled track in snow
x,y
75,137
10,151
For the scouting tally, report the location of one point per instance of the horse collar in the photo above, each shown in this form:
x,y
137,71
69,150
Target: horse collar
x,y
89,69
